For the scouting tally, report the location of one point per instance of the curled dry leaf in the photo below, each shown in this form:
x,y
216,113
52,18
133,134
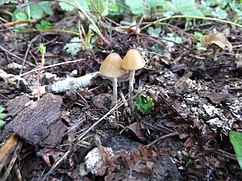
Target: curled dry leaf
x,y
217,39
136,129
50,156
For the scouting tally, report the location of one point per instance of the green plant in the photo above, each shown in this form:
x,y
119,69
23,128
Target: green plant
x,y
34,11
197,37
189,162
43,25
68,6
155,32
1,116
236,140
144,103
74,46
42,50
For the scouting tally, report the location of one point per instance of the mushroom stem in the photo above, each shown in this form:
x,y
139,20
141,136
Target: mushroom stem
x,y
131,88
115,91
131,82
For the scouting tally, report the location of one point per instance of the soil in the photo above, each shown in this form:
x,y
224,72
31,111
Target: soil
x,y
185,136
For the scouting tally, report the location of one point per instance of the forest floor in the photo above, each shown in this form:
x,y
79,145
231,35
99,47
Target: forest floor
x,y
75,133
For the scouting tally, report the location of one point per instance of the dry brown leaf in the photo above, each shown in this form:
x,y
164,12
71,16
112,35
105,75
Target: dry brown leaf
x,y
136,129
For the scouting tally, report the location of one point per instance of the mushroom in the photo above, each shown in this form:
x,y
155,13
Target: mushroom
x,y
132,61
111,68
216,41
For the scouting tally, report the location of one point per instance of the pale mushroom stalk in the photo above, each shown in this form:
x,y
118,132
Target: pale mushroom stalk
x,y
131,81
115,91
131,87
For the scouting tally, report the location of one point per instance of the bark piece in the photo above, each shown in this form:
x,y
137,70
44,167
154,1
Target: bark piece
x,y
39,122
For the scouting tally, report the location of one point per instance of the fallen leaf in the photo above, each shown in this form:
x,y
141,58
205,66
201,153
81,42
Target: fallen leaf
x,y
136,129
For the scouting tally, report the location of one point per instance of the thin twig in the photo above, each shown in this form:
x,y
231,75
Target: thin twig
x,y
26,54
49,66
102,118
52,30
194,17
17,57
18,22
161,138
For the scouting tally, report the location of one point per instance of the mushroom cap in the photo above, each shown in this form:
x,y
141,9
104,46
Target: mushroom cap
x,y
133,60
111,66
217,39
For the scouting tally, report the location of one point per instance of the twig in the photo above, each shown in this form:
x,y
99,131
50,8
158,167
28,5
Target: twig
x,y
226,154
52,30
17,57
26,54
18,22
102,118
162,137
126,105
194,17
49,66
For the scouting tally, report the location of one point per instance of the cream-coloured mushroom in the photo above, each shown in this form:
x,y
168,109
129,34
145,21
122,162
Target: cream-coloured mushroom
x,y
111,68
218,39
132,61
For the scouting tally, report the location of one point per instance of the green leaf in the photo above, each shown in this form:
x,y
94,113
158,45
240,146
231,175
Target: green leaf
x,y
113,7
144,104
206,10
154,3
39,9
136,6
68,7
155,32
2,123
44,25
2,114
220,13
187,8
223,3
173,37
74,46
101,5
18,15
35,11
1,109
42,48
198,35
236,140
157,48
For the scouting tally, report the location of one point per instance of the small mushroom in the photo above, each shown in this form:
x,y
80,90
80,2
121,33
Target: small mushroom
x,y
218,39
132,61
111,68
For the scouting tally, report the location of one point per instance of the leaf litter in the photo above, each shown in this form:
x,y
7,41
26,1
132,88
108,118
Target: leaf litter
x,y
197,101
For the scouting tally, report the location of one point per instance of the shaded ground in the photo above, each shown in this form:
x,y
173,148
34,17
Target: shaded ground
x,y
197,101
